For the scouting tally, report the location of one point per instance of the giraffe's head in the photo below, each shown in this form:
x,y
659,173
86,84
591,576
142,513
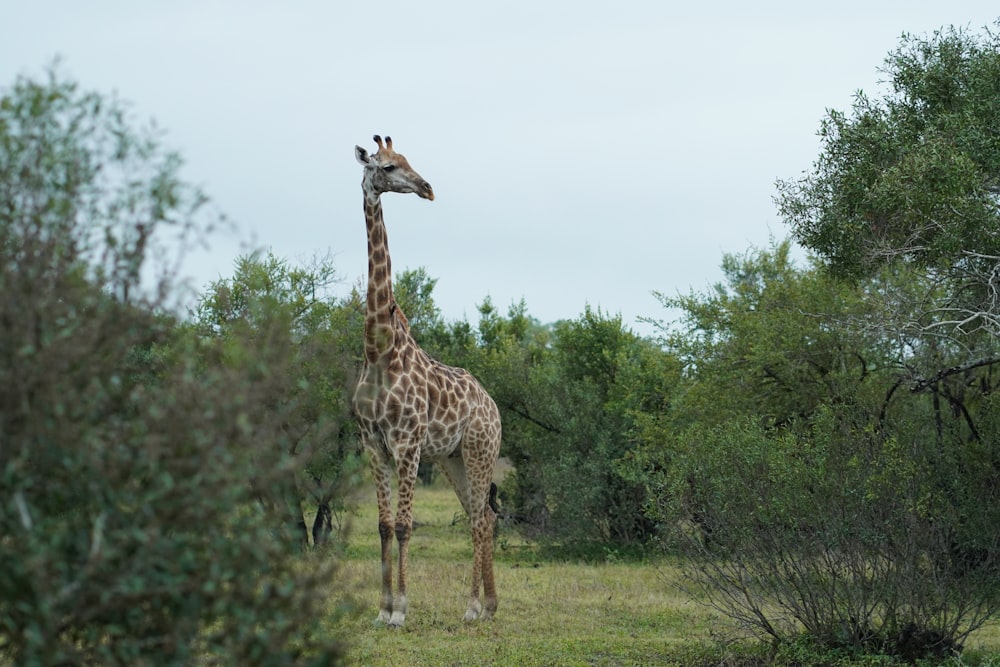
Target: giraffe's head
x,y
388,171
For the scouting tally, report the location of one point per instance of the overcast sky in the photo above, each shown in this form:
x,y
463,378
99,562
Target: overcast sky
x,y
580,152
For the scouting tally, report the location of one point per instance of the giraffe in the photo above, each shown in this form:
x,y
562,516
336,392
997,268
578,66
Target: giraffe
x,y
409,406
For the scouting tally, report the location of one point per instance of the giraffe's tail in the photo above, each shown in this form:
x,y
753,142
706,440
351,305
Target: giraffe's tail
x,y
493,499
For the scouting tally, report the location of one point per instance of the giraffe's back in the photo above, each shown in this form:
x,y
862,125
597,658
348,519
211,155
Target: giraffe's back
x,y
460,414
413,396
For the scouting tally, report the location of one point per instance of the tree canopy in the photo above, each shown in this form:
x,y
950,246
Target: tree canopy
x,y
913,177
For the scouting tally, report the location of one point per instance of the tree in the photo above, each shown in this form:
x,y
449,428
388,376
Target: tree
x,y
129,533
569,395
807,490
914,178
904,202
599,375
286,319
414,292
763,342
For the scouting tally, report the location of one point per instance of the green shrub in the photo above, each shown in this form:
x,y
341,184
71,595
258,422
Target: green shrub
x,y
832,530
129,533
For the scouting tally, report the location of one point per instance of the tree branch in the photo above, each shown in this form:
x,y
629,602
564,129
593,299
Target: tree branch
x,y
947,372
524,415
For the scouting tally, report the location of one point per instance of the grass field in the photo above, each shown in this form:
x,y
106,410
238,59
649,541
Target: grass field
x,y
551,613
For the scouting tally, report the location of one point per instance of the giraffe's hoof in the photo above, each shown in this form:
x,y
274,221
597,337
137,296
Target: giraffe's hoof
x,y
397,619
473,612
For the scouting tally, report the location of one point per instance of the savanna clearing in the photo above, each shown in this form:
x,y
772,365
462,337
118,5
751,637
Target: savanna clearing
x,y
616,612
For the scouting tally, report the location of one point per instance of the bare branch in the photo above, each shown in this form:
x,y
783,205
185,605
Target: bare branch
x,y
946,372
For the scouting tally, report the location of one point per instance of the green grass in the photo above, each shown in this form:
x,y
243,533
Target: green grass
x,y
551,613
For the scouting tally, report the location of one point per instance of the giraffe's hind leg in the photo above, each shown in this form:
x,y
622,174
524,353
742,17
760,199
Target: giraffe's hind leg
x,y
474,495
482,537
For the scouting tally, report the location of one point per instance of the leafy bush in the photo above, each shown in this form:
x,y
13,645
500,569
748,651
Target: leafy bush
x,y
128,530
569,394
284,318
814,478
833,530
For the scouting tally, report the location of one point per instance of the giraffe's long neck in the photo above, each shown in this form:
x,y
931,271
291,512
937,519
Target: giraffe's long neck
x,y
379,325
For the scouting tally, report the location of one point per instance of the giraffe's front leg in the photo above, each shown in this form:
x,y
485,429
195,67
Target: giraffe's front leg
x,y
407,461
385,599
382,473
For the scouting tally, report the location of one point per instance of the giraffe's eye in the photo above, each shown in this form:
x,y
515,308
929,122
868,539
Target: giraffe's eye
x,y
389,167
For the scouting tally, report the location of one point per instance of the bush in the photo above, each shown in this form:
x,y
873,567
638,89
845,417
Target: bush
x,y
128,530
568,395
832,530
283,318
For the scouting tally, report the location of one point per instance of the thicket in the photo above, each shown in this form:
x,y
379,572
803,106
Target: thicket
x,y
834,467
808,488
286,321
569,394
129,533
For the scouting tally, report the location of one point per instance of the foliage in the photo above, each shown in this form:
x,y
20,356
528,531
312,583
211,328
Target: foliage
x,y
285,318
129,535
569,395
413,289
767,342
850,539
914,177
859,414
805,490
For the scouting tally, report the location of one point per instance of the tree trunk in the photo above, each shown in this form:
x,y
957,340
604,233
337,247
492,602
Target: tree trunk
x,y
323,525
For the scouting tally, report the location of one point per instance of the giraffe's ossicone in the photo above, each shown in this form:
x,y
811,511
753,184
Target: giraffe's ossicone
x,y
410,407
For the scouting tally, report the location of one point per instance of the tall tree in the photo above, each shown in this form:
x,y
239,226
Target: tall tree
x,y
913,177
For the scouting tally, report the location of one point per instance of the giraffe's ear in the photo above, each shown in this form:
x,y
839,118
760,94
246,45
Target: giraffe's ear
x,y
362,155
